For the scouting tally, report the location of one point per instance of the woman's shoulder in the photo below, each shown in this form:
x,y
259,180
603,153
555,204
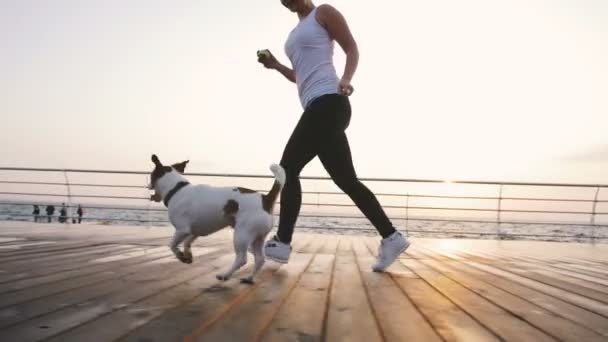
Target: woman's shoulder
x,y
326,9
325,13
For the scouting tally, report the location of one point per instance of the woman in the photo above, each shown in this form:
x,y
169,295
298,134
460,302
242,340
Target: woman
x,y
321,128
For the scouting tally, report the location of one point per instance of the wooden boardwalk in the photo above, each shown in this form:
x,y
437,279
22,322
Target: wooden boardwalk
x,y
97,283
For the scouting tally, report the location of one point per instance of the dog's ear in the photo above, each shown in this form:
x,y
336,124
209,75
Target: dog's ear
x,y
156,161
180,167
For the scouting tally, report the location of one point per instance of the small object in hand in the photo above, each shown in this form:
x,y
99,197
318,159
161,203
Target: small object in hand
x,y
263,53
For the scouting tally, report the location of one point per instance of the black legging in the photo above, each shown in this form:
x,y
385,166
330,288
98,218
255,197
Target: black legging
x,y
320,132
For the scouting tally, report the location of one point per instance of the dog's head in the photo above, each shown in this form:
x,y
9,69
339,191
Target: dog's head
x,y
164,174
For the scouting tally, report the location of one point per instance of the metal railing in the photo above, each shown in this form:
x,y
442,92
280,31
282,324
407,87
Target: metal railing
x,y
592,215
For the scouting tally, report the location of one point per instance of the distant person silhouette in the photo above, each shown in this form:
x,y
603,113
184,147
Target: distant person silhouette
x,y
36,212
63,214
79,212
50,209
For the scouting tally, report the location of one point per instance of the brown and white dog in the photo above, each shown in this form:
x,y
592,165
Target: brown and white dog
x,y
199,210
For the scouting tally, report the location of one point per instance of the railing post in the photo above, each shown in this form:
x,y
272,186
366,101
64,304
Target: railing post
x,y
593,210
407,205
499,208
148,202
67,184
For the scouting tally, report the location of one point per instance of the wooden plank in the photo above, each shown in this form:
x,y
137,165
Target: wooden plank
x,y
84,270
564,263
248,319
331,243
315,244
552,280
562,269
310,296
11,298
570,267
300,241
40,268
587,276
397,317
30,246
584,268
493,317
570,297
137,287
62,257
51,250
120,322
452,323
26,310
350,317
556,326
215,303
584,281
574,313
545,268
345,247
15,247
57,249
594,263
4,240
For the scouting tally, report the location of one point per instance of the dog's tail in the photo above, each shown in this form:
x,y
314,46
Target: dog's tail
x,y
270,198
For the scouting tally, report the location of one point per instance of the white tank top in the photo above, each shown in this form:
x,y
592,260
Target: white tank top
x,y
311,51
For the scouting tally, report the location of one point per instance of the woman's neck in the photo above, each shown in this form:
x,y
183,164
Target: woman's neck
x,y
306,11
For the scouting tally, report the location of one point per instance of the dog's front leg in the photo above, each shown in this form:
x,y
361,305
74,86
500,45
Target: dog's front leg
x,y
178,237
240,248
187,245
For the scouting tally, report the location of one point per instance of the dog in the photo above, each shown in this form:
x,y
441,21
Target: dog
x,y
200,210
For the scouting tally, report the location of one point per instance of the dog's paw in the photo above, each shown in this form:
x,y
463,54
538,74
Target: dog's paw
x,y
188,258
222,277
185,258
247,280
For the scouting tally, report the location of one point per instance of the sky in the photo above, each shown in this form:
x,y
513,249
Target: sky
x,y
454,90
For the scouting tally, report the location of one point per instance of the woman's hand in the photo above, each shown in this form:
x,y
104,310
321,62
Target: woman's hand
x,y
345,88
267,59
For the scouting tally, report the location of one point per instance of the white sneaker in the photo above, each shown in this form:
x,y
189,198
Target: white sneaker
x,y
276,250
389,250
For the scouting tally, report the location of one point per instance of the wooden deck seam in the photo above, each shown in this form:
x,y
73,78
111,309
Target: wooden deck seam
x,y
329,291
514,314
215,255
98,268
35,254
80,286
264,329
543,283
522,274
550,264
367,243
367,295
471,274
205,326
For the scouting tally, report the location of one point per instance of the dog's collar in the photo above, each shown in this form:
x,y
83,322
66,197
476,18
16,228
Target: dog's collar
x,y
173,191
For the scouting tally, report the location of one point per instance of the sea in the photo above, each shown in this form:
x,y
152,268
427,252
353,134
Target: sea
x,y
327,224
